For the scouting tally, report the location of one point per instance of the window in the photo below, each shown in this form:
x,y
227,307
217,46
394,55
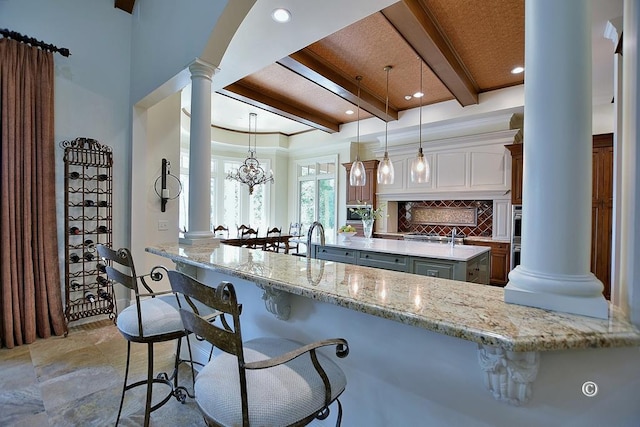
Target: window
x,y
317,193
231,204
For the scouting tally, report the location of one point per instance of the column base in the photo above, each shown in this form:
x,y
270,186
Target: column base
x,y
556,292
191,237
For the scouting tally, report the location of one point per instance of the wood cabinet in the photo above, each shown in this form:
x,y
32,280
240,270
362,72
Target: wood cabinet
x,y
499,261
367,193
602,203
517,164
602,210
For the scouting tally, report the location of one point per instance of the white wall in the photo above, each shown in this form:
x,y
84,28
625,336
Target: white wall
x,y
167,36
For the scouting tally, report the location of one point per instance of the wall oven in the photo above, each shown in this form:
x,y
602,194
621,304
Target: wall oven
x,y
516,235
353,216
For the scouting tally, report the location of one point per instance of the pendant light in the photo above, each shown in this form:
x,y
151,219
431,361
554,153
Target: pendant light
x,y
250,172
420,170
385,168
357,175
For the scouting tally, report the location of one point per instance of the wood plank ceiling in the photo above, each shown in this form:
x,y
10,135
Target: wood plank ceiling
x,y
467,47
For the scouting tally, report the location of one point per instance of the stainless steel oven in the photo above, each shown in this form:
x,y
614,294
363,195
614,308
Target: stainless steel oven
x,y
353,216
516,235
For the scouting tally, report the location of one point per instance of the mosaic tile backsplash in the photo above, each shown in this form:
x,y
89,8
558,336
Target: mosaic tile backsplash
x,y
408,212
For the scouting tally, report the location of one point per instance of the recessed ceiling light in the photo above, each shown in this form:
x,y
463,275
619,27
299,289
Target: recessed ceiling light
x,y
349,112
517,70
408,97
418,95
281,15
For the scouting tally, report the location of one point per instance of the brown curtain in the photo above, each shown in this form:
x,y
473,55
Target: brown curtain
x,y
30,291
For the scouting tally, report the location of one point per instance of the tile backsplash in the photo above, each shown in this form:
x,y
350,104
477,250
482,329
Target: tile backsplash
x,y
407,212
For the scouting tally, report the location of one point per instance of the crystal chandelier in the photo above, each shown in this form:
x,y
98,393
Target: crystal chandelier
x,y
251,173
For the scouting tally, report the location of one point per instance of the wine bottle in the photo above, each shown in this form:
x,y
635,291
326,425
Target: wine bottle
x,y
104,294
74,175
88,256
101,268
74,230
89,202
102,229
75,285
102,177
103,203
89,297
74,257
102,281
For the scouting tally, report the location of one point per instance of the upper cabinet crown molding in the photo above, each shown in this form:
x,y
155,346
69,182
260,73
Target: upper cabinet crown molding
x,y
501,138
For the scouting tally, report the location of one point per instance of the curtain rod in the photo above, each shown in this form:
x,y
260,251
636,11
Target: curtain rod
x,y
33,42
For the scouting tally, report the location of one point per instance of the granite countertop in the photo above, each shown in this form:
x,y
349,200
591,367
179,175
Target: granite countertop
x,y
405,247
465,310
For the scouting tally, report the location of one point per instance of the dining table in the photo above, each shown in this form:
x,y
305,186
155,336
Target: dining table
x,y
260,242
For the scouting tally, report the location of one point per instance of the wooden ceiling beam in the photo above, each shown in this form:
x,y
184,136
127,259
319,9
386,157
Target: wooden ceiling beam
x,y
412,19
126,5
317,70
241,92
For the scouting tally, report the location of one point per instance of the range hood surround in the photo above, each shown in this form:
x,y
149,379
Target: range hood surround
x,y
471,167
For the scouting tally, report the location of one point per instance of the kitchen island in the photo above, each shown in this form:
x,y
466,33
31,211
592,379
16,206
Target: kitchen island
x,y
419,340
459,262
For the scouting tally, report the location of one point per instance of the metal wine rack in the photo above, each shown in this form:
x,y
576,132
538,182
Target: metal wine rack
x,y
88,205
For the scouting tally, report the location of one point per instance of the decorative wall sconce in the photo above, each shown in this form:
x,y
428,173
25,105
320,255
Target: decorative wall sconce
x,y
164,193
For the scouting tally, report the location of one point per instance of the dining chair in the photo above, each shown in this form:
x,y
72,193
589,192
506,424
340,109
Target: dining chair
x,y
153,318
264,381
221,231
249,234
295,231
241,229
273,242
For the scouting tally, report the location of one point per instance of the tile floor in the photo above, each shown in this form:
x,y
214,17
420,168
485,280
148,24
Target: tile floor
x,y
77,381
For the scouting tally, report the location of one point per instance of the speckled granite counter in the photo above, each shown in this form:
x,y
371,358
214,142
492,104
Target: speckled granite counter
x,y
472,312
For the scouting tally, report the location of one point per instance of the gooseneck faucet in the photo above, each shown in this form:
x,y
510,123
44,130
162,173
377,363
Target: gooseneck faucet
x,y
310,233
453,237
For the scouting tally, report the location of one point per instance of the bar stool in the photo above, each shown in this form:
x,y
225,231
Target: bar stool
x,y
150,320
264,381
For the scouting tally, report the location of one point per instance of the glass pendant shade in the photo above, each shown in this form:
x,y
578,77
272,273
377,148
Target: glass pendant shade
x,y
357,175
385,167
385,170
420,170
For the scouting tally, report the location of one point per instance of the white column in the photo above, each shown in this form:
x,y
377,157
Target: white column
x,y
630,191
200,152
613,32
556,202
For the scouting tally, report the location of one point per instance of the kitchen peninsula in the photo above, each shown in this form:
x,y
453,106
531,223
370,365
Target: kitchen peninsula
x,y
404,328
458,262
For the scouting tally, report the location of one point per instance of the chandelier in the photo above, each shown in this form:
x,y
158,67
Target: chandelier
x,y
251,173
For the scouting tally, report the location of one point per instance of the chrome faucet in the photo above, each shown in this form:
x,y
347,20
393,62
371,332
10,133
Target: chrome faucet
x,y
453,237
310,233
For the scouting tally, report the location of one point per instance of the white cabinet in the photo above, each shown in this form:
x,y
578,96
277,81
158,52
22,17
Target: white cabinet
x,y
461,168
502,219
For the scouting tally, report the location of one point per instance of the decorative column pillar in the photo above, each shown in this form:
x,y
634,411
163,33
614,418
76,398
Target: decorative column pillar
x,y
200,152
629,278
556,202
